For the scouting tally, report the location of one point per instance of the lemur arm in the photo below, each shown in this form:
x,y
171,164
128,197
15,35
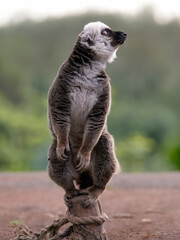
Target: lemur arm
x,y
59,111
95,122
94,127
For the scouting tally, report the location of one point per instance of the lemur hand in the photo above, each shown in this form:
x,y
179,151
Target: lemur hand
x,y
83,159
62,152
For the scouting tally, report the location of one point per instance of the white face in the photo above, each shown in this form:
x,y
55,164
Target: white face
x,y
99,37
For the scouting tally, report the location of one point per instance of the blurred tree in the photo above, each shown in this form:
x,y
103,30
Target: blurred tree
x,y
175,156
21,133
133,152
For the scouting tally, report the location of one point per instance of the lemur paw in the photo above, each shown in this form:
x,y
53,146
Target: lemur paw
x,y
62,152
83,160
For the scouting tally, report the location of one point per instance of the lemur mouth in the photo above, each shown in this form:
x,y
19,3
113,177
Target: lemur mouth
x,y
118,38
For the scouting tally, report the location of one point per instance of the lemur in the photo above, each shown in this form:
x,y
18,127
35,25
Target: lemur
x,y
79,99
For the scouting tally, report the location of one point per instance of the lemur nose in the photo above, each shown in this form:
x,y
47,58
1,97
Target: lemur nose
x,y
124,35
121,35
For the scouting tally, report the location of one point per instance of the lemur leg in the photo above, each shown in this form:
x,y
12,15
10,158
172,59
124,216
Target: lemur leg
x,y
103,165
60,173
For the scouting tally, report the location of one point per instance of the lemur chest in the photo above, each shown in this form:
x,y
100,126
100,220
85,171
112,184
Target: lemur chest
x,y
82,101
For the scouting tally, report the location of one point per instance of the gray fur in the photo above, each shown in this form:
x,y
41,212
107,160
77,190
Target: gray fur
x,y
78,104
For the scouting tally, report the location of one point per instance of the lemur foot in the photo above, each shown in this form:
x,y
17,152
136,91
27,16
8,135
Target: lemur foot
x,y
92,196
68,197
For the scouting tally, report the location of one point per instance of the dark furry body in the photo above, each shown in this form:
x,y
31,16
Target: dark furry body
x,y
78,104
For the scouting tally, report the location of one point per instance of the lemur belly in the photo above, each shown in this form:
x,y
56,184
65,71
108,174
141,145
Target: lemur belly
x,y
82,101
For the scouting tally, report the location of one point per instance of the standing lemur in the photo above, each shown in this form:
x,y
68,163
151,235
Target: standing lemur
x,y
82,150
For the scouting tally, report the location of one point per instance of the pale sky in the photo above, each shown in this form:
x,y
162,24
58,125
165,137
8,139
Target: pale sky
x,y
17,10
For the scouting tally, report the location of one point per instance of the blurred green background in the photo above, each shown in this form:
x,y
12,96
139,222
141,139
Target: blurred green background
x,y
145,78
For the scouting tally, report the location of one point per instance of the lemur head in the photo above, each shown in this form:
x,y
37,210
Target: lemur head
x,y
102,40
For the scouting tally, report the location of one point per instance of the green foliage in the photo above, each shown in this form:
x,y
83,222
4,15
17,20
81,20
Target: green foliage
x,y
22,132
175,156
134,151
144,118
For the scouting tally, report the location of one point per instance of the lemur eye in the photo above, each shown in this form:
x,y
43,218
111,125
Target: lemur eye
x,y
107,32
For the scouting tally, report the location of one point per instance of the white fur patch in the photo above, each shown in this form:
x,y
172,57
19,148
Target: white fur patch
x,y
83,98
112,57
95,26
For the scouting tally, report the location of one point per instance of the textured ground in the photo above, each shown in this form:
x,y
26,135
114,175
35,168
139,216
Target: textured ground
x,y
139,206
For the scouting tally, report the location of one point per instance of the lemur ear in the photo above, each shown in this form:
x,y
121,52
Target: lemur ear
x,y
90,42
87,39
